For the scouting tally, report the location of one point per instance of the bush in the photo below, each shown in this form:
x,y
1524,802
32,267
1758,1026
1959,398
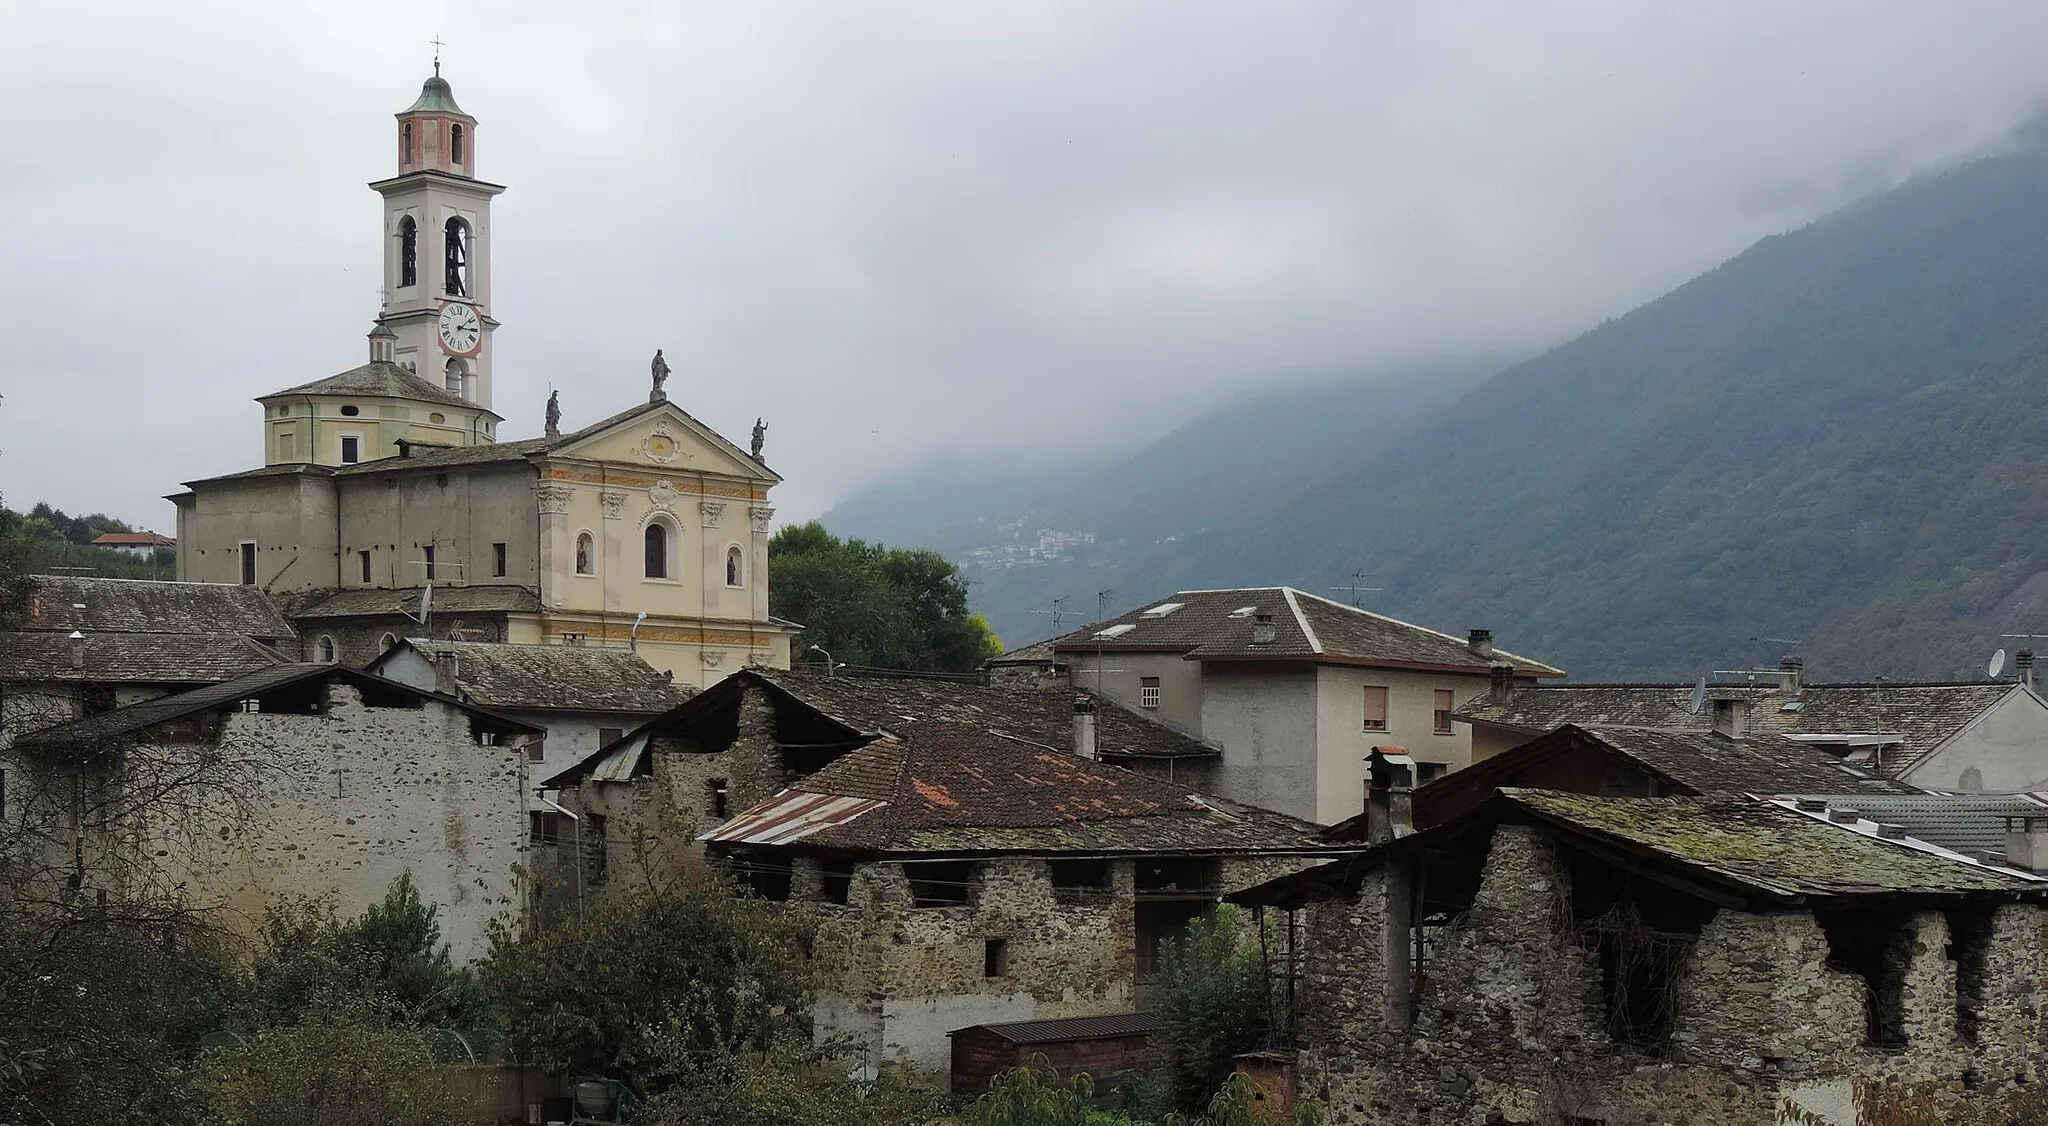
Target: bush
x,y
1212,989
343,1064
792,1083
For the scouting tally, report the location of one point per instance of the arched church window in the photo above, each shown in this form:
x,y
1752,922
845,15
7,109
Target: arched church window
x,y
584,546
453,376
657,551
327,649
455,240
408,251
733,568
455,144
405,143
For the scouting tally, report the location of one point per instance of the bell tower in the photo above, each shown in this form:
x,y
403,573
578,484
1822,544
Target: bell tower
x,y
437,246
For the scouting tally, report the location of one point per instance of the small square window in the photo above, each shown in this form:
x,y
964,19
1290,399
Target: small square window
x,y
1445,702
1148,691
995,957
1427,772
1375,697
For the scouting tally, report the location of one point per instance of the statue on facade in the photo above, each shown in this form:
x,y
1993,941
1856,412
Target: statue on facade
x,y
760,437
554,414
659,369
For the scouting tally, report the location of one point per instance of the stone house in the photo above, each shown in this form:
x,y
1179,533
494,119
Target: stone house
x,y
1969,736
89,645
300,779
583,696
960,877
1293,687
1563,958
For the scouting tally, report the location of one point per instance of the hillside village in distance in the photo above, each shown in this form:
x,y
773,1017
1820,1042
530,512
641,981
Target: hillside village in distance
x,y
531,671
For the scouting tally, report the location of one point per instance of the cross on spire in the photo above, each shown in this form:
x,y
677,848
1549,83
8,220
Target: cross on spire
x,y
436,41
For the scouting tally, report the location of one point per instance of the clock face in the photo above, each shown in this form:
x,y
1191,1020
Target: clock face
x,y
462,331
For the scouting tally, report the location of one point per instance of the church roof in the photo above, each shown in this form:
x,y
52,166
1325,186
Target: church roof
x,y
436,96
381,378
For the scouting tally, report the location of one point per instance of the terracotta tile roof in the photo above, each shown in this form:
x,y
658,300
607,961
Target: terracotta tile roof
x,y
379,601
144,606
132,658
551,677
134,539
383,379
1923,715
1217,625
948,788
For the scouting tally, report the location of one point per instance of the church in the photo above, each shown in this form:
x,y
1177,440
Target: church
x,y
388,506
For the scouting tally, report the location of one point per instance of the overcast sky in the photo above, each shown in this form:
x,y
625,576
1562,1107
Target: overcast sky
x,y
906,229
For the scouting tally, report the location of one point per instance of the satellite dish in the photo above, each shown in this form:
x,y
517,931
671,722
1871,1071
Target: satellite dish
x,y
1699,697
1997,665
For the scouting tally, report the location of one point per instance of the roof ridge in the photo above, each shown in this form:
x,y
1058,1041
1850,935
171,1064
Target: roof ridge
x,y
1315,644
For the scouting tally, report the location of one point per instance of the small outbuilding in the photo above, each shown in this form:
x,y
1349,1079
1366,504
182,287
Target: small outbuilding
x,y
1105,1048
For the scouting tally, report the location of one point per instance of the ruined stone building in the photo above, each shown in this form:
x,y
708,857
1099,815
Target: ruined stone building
x,y
583,696
972,855
295,779
1970,735
1294,688
1558,958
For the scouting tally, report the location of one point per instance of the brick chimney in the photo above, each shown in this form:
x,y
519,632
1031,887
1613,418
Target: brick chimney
x,y
1389,794
2023,664
1791,674
1084,728
1262,629
1731,718
1502,688
1481,642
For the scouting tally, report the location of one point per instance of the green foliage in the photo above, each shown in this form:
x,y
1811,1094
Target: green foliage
x,y
651,986
391,955
1033,1096
792,1083
45,539
1212,989
873,606
342,1063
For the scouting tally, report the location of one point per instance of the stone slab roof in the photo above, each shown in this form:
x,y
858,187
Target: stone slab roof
x,y
1972,824
1216,625
132,658
136,720
1923,715
380,378
1036,653
581,678
954,788
378,601
1061,1029
145,606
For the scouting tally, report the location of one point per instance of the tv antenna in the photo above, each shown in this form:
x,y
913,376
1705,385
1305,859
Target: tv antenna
x,y
1996,666
1059,612
1355,587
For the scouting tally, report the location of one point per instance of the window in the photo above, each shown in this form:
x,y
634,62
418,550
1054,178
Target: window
x,y
583,546
455,245
408,250
995,957
452,376
939,883
1444,703
351,449
498,560
1078,883
429,556
364,557
536,748
287,446
437,418
248,564
1148,691
657,551
327,649
717,799
1426,772
455,144
1375,707
733,566
405,145
574,637
351,411
606,736
386,642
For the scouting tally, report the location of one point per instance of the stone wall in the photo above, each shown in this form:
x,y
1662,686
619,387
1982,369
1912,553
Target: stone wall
x,y
1513,1024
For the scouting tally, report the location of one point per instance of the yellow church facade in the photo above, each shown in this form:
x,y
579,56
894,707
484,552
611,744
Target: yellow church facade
x,y
388,506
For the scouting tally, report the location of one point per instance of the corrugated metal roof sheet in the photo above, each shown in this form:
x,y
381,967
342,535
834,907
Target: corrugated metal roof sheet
x,y
790,816
1075,1028
616,763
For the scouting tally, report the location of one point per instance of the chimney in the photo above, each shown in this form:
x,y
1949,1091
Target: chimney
x,y
77,649
1731,718
1791,674
1084,728
1502,690
2026,843
1262,629
1389,795
2023,663
1481,642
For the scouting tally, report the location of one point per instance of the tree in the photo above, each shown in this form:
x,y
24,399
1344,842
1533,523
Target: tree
x,y
876,606
1212,987
390,956
340,1064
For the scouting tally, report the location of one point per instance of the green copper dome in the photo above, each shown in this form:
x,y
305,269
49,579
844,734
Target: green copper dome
x,y
435,97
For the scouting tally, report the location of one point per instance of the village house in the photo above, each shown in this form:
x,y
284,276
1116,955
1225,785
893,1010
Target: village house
x,y
138,545
1544,957
89,645
1968,736
584,697
295,779
1293,687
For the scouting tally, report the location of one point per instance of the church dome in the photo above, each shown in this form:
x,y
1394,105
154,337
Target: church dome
x,y
436,96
